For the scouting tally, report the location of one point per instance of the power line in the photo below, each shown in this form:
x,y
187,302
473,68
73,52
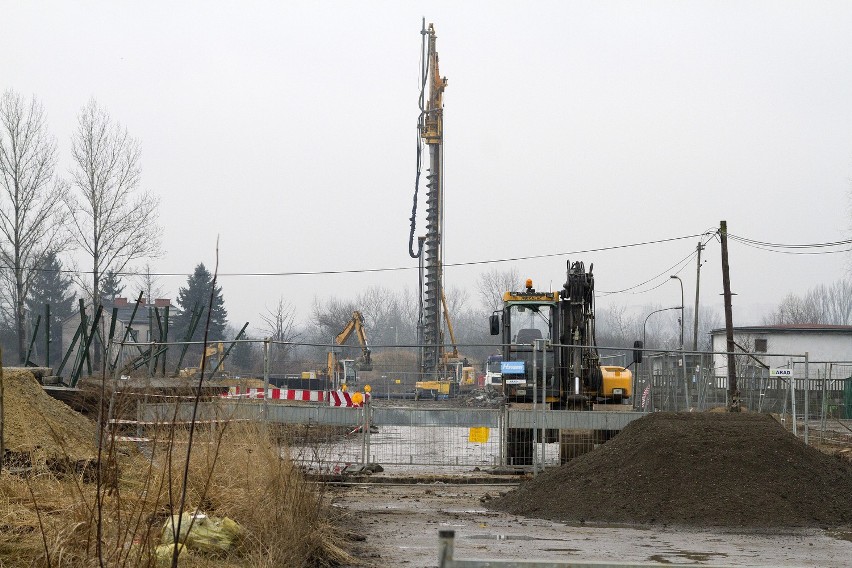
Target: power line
x,y
390,269
791,246
681,264
784,249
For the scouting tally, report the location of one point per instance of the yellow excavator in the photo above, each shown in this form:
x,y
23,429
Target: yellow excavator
x,y
363,363
458,375
214,354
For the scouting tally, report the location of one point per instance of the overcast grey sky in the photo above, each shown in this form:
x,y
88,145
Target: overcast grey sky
x,y
288,130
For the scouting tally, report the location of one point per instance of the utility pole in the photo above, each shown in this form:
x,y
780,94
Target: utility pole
x,y
697,286
733,391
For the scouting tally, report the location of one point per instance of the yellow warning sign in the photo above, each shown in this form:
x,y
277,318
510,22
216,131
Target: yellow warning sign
x,y
478,435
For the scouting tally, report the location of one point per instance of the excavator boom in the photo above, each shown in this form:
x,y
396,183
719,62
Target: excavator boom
x,y
356,324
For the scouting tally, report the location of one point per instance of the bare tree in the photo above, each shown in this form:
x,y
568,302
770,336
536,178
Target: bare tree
x,y
31,217
114,222
822,304
280,325
832,302
330,315
614,327
493,284
148,283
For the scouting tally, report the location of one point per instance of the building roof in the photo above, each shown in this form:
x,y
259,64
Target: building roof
x,y
789,328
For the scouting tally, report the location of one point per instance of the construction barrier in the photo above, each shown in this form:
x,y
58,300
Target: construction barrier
x,y
346,398
335,398
278,394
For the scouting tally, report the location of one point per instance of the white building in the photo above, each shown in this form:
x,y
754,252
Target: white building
x,y
776,345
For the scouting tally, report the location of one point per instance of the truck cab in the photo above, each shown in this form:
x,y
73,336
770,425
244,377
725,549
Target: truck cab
x,y
493,374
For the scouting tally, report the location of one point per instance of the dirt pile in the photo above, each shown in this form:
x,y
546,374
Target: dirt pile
x,y
481,397
40,426
694,469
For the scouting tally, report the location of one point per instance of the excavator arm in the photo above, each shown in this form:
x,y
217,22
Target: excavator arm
x,y
356,324
366,363
446,357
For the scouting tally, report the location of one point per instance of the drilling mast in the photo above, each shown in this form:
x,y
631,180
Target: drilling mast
x,y
431,133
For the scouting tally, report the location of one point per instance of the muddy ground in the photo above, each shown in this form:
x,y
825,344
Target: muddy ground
x,y
399,525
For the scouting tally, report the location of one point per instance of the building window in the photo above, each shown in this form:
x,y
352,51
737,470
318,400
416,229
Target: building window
x,y
760,345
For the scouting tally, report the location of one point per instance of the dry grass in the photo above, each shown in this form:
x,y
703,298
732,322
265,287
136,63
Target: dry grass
x,y
236,470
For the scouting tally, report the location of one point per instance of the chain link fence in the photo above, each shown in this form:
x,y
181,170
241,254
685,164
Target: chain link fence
x,y
462,424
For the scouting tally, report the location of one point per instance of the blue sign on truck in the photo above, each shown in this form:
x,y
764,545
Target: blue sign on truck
x,y
512,367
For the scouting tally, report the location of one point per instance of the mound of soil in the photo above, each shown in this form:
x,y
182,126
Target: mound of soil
x,y
481,397
694,469
40,426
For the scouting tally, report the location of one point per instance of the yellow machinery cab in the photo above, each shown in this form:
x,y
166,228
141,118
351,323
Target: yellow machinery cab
x,y
617,383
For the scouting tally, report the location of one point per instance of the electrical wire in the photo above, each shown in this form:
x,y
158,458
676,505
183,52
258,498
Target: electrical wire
x,y
393,268
710,233
796,248
790,246
668,270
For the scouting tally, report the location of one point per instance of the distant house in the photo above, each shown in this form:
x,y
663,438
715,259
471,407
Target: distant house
x,y
143,321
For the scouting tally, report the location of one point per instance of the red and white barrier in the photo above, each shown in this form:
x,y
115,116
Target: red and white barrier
x,y
345,398
335,398
278,394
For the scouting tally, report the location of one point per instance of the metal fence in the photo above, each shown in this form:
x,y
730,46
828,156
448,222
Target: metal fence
x,y
327,439
405,435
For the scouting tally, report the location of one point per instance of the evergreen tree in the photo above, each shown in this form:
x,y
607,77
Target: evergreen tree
x,y
51,286
111,288
196,296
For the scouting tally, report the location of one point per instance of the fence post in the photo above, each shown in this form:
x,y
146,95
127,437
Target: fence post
x,y
793,399
543,399
807,396
445,548
504,422
827,372
265,379
151,348
368,421
535,406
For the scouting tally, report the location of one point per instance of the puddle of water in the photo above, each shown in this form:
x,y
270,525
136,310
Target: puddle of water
x,y
507,537
686,554
465,511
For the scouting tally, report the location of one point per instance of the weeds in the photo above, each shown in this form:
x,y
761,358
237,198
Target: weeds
x,y
51,518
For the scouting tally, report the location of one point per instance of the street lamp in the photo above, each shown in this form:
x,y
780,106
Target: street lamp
x,y
682,356
644,344
681,308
